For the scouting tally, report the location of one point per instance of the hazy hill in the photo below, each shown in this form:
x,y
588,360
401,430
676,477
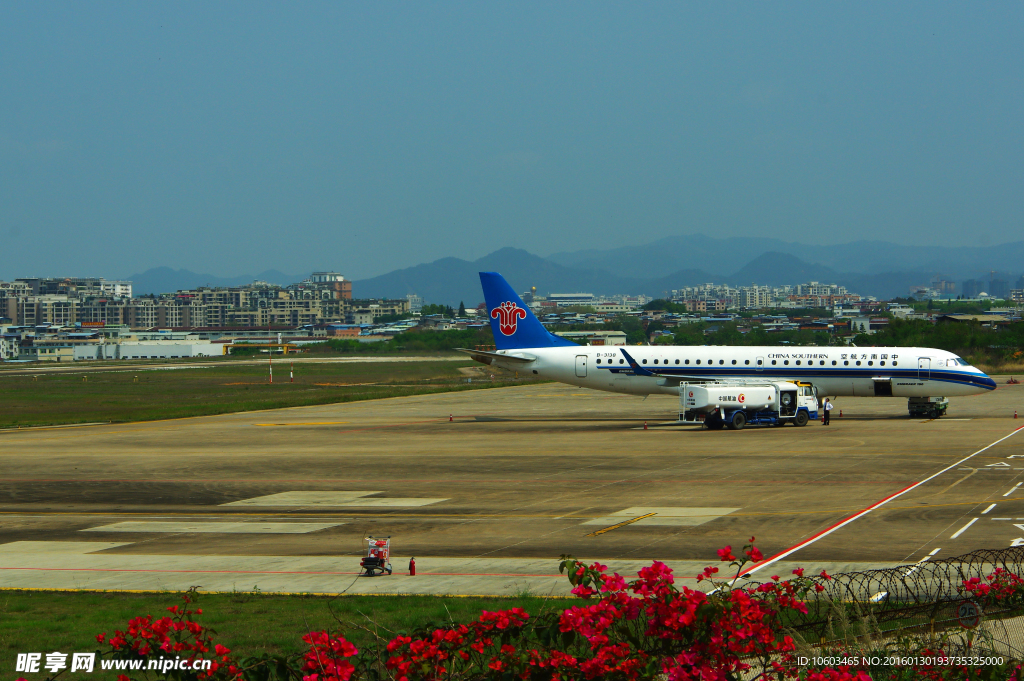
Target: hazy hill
x,y
779,269
167,280
451,280
664,256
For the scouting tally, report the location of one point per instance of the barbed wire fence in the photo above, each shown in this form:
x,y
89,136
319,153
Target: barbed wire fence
x,y
926,598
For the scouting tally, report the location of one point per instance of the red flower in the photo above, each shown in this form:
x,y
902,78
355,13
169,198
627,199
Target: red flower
x,y
726,554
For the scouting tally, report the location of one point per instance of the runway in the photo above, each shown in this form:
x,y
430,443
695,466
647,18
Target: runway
x,y
488,488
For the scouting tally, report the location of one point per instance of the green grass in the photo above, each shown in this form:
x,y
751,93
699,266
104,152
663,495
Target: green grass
x,y
120,396
249,624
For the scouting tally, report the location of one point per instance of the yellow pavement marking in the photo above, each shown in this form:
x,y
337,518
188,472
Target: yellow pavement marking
x,y
617,525
356,513
305,423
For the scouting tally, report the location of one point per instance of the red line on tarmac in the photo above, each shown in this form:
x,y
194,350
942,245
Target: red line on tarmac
x,y
270,572
849,519
449,480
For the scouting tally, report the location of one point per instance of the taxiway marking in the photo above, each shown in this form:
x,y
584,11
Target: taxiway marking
x,y
860,514
311,423
617,525
963,529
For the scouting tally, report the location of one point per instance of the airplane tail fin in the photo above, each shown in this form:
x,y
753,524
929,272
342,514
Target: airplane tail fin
x,y
514,326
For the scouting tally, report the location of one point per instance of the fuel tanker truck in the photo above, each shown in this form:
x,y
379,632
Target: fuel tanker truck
x,y
736,404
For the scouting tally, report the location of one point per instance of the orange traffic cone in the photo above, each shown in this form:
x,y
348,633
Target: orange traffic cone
x,y
840,413
645,425
449,418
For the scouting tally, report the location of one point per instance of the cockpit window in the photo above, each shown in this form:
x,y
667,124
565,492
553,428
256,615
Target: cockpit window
x,y
958,360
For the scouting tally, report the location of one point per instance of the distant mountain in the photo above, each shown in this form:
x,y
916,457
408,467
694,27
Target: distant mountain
x,y
665,256
871,268
451,280
166,280
779,269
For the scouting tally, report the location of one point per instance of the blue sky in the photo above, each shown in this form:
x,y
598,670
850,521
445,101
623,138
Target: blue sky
x,y
232,138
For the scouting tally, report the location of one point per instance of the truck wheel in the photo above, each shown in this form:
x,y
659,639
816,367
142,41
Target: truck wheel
x,y
801,419
739,419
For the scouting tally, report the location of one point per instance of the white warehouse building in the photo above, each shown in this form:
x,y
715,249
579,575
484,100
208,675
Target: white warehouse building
x,y
148,350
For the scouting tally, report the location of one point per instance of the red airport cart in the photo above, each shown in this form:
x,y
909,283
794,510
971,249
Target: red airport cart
x,y
378,556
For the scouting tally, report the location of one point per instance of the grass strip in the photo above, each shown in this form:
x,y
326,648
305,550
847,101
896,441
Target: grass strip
x,y
125,396
250,623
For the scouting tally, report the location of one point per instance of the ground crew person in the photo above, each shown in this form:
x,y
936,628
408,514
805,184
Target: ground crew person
x,y
828,411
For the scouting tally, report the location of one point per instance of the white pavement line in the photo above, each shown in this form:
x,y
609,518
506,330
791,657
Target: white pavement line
x,y
964,528
991,506
1014,489
918,563
846,521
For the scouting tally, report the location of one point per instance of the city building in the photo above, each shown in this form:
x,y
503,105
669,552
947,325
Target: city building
x,y
971,288
999,288
323,297
571,299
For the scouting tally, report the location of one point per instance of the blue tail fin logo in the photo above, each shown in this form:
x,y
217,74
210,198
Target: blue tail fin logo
x,y
513,325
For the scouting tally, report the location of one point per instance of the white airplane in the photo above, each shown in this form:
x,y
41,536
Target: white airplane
x,y
523,344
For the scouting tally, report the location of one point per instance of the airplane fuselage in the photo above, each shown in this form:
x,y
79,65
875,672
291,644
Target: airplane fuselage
x,y
863,372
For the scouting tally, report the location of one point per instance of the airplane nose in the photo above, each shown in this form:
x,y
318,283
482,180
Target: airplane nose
x,y
985,382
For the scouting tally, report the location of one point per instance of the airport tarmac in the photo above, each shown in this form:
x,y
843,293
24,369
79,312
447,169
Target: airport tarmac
x,y
488,488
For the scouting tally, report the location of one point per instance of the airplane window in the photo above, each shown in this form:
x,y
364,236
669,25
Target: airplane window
x,y
846,363
711,361
655,361
871,364
833,362
786,362
858,362
759,362
698,361
687,361
881,363
645,361
721,361
598,361
822,362
734,361
774,362
746,361
798,362
677,361
895,363
622,361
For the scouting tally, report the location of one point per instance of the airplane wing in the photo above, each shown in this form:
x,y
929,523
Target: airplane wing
x,y
485,357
